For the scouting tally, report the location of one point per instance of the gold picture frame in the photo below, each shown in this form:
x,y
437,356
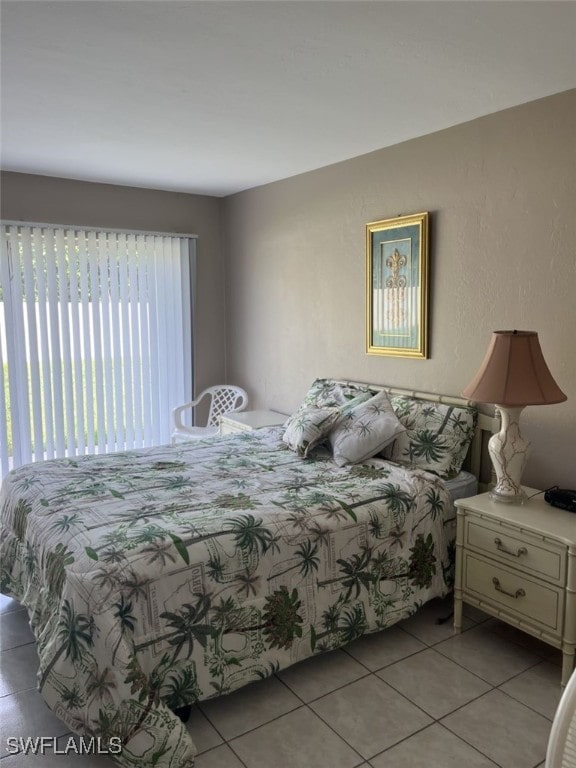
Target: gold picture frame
x,y
397,286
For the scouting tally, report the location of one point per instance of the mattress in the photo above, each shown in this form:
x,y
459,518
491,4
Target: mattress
x,y
462,486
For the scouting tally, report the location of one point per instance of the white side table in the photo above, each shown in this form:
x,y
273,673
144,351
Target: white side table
x,y
518,563
243,421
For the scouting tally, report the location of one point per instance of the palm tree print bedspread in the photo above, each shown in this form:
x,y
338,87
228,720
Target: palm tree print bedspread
x,y
164,576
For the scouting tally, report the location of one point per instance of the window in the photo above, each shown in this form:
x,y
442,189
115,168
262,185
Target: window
x,y
95,339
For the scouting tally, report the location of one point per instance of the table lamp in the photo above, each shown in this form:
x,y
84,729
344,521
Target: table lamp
x,y
513,375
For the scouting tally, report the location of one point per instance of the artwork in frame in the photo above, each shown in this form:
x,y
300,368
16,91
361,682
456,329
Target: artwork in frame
x,y
397,286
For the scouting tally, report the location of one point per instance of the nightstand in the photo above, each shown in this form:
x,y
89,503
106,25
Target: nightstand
x,y
242,421
518,563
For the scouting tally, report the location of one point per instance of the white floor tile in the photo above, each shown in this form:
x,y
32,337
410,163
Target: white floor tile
x,y
296,740
18,668
14,630
7,604
538,688
203,733
515,635
220,757
249,707
382,648
433,682
25,714
322,674
475,614
503,729
434,747
52,760
487,655
370,715
424,625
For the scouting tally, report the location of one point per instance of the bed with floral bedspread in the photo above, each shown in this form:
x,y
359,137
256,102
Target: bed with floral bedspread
x,y
163,576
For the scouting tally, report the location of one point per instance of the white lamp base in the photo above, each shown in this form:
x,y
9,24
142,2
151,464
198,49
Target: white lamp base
x,y
509,453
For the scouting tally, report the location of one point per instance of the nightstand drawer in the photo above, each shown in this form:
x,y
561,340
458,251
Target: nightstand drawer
x,y
519,549
531,600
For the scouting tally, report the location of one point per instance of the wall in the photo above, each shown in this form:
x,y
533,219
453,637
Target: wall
x,y
60,201
501,192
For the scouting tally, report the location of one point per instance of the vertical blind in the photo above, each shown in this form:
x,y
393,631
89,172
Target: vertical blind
x,y
95,340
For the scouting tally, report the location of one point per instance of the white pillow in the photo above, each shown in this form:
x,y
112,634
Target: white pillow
x,y
364,430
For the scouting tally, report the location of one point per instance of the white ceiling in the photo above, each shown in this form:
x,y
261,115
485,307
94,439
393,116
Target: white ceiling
x,y
216,97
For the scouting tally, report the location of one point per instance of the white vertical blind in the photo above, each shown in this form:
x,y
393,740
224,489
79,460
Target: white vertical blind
x,y
95,339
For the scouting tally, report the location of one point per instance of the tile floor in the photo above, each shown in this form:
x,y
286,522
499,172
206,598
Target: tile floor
x,y
413,696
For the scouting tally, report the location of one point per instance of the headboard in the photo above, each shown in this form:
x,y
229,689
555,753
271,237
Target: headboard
x,y
477,459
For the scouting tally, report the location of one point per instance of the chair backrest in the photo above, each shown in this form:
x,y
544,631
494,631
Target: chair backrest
x,y
224,399
561,752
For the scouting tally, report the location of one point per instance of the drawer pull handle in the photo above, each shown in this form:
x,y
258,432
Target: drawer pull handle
x,y
499,588
502,548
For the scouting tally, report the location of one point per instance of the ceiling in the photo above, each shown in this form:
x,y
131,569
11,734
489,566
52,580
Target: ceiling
x,y
216,97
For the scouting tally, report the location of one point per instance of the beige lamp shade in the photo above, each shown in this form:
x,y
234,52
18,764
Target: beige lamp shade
x,y
514,373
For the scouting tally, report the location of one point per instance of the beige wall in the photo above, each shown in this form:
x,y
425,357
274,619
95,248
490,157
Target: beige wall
x,y
60,201
501,192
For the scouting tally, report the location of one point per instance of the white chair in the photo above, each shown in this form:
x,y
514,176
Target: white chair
x,y
561,752
223,399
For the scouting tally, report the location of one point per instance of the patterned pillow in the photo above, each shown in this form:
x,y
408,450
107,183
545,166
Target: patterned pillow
x,y
327,392
308,427
364,429
437,436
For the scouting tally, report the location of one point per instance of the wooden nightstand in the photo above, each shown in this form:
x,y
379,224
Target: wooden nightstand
x,y
519,563
243,421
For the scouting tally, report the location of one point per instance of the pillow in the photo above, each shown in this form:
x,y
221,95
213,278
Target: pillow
x,y
437,435
364,429
308,427
322,406
327,392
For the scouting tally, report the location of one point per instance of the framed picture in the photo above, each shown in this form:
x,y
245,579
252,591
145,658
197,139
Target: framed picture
x,y
397,286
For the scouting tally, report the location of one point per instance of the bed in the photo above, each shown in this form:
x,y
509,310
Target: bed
x,y
159,577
